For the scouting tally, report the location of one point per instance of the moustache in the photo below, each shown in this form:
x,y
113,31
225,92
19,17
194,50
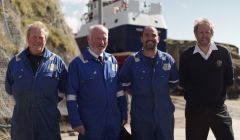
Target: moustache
x,y
150,41
101,46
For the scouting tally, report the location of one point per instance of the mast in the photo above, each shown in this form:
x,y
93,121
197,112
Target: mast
x,y
100,11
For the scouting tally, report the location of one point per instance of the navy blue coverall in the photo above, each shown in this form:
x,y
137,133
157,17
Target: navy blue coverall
x,y
151,106
94,98
35,115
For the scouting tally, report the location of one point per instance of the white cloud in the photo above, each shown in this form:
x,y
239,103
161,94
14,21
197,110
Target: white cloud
x,y
184,5
73,23
73,10
77,13
64,8
73,1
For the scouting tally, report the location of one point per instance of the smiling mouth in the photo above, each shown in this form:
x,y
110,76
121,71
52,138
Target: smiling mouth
x,y
150,41
37,46
101,46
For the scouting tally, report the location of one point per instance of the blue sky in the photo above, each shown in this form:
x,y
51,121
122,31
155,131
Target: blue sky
x,y
179,16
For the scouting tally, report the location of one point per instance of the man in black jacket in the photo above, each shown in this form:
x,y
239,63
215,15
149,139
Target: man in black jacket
x,y
205,74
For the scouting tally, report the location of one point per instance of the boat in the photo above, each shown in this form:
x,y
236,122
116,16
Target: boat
x,y
125,21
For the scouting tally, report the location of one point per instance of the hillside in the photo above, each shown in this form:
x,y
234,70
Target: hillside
x,y
15,16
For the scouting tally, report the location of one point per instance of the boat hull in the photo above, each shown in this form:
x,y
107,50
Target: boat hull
x,y
126,38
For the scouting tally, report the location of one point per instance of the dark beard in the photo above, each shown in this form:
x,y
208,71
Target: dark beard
x,y
150,47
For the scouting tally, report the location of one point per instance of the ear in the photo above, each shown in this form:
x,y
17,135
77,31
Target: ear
x,y
88,39
195,34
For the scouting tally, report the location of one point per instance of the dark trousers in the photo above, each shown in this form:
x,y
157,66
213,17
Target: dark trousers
x,y
200,119
145,132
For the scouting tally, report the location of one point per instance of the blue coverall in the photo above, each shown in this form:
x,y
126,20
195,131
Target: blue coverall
x,y
151,106
35,115
94,98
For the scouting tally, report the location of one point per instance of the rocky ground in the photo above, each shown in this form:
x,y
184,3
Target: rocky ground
x,y
179,131
234,109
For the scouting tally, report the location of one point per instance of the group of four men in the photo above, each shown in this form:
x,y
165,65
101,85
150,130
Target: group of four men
x,y
96,89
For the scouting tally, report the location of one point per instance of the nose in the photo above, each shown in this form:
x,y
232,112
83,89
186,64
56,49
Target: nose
x,y
39,39
101,42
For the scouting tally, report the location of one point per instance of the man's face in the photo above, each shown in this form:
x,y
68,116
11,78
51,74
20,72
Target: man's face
x,y
203,35
36,41
150,38
98,41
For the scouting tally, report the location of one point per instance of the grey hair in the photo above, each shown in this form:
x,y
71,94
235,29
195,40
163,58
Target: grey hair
x,y
38,25
98,26
203,21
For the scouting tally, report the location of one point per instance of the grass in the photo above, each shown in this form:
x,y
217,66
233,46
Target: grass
x,y
48,12
6,44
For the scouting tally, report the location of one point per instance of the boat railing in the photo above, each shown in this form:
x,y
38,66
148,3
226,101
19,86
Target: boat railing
x,y
117,7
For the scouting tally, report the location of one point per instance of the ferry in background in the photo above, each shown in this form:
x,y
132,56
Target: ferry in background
x,y
125,20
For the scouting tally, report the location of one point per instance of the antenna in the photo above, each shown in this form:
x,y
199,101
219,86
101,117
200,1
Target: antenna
x,y
100,12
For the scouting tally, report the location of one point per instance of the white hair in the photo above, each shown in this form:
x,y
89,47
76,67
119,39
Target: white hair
x,y
97,27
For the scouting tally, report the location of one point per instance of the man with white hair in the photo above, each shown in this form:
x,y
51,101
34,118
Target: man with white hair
x,y
97,107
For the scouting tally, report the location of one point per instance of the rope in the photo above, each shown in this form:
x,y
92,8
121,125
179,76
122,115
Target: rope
x,y
5,21
5,126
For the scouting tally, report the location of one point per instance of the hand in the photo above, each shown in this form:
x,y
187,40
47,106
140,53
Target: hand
x,y
129,92
80,129
180,88
124,122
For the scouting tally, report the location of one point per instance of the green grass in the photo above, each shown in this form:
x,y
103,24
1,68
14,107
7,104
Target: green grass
x,y
44,10
5,43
